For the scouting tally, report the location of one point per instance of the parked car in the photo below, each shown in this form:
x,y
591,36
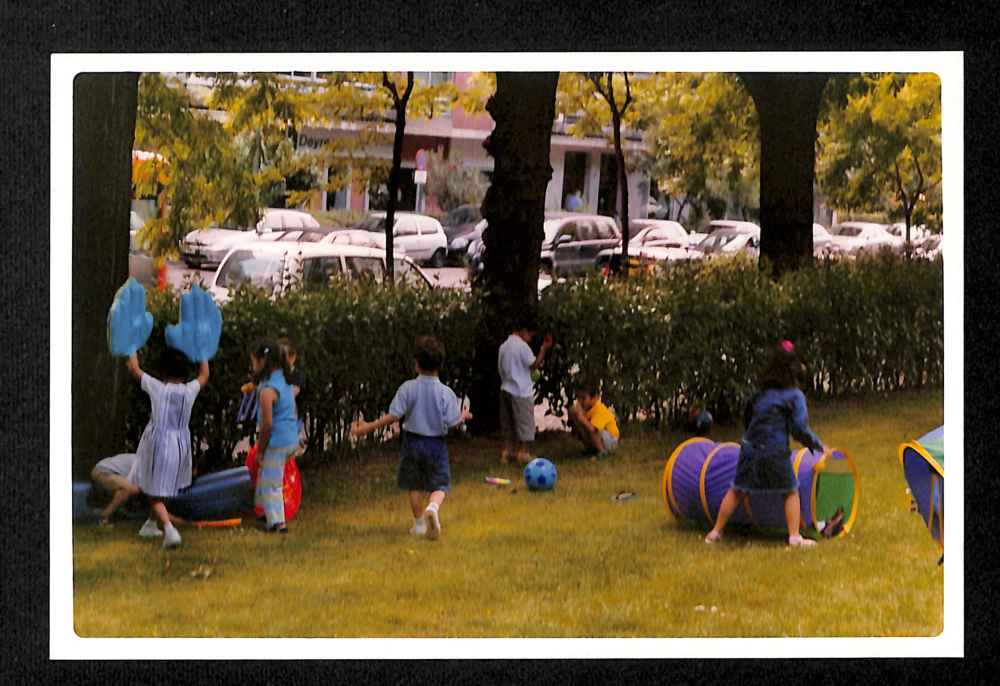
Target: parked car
x,y
458,247
298,235
850,238
653,240
460,222
572,241
206,247
822,240
728,242
930,247
279,266
717,224
420,236
917,233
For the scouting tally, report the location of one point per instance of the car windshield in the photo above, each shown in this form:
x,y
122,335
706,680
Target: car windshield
x,y
243,267
716,242
850,231
373,224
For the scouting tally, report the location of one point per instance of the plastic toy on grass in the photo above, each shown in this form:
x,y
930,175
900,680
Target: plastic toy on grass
x,y
129,324
291,485
216,496
540,475
699,472
923,469
197,333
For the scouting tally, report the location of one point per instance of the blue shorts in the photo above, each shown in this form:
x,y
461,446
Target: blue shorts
x,y
423,463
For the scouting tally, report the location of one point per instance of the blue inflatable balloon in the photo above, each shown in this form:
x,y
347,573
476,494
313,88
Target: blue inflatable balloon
x,y
129,324
540,475
197,333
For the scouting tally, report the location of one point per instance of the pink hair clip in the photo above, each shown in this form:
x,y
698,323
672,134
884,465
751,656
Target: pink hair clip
x,y
787,346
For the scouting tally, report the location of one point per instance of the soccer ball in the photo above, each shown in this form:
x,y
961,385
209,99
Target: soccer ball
x,y
540,475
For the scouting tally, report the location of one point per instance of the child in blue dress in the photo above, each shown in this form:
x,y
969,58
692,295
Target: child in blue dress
x,y
277,430
163,463
775,412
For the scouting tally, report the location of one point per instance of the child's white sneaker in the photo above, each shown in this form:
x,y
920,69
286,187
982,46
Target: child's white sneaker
x,y
150,530
800,542
419,527
432,522
171,537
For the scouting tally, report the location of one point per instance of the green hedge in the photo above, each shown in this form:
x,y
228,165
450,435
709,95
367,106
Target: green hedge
x,y
695,334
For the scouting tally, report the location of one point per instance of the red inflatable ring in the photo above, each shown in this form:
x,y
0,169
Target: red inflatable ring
x,y
291,485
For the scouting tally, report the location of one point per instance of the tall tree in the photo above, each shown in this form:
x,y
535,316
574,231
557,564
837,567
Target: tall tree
x,y
104,109
523,108
787,107
399,104
880,145
604,84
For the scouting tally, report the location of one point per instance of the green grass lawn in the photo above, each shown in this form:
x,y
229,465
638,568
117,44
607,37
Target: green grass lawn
x,y
511,563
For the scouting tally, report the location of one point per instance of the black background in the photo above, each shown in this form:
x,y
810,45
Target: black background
x,y
33,31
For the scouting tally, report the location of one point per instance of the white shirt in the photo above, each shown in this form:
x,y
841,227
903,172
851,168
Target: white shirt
x,y
514,362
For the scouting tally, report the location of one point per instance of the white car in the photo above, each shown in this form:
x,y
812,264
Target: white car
x,y
917,233
421,237
931,246
822,240
850,238
208,246
718,224
279,266
654,240
729,241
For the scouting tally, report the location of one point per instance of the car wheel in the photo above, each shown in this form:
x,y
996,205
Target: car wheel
x,y
438,258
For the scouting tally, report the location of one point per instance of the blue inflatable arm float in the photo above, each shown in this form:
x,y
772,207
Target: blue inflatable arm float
x,y
129,324
197,333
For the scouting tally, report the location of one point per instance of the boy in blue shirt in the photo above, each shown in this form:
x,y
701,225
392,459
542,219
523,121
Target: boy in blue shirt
x,y
428,410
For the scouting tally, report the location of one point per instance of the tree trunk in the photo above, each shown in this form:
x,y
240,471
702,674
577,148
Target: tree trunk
x,y
787,106
523,108
104,108
397,163
622,188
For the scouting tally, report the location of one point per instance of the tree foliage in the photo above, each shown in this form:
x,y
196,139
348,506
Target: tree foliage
x,y
879,145
453,184
702,141
221,160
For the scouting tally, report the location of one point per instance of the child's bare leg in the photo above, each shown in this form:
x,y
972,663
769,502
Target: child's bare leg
x,y
523,452
729,504
417,503
437,497
792,513
160,511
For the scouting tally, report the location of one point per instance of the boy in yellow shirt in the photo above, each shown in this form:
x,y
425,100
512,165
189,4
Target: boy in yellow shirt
x,y
591,420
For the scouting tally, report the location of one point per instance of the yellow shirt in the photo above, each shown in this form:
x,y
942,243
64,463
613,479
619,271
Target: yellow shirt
x,y
603,419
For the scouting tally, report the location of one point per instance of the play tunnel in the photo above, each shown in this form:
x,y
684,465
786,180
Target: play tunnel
x,y
923,468
700,471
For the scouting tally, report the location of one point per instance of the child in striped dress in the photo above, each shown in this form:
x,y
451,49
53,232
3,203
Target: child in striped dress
x,y
163,466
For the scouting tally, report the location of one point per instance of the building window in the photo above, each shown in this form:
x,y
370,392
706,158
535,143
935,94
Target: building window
x,y
406,200
574,174
434,78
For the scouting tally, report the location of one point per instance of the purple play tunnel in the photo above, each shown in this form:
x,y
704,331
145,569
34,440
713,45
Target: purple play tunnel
x,y
700,471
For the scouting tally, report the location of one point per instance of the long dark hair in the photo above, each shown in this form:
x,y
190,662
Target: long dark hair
x,y
271,354
784,369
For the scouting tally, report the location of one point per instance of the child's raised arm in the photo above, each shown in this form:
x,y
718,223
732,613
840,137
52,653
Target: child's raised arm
x,y
363,428
132,364
203,373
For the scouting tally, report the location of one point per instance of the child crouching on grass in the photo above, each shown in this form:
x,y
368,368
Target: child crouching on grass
x,y
591,420
428,410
